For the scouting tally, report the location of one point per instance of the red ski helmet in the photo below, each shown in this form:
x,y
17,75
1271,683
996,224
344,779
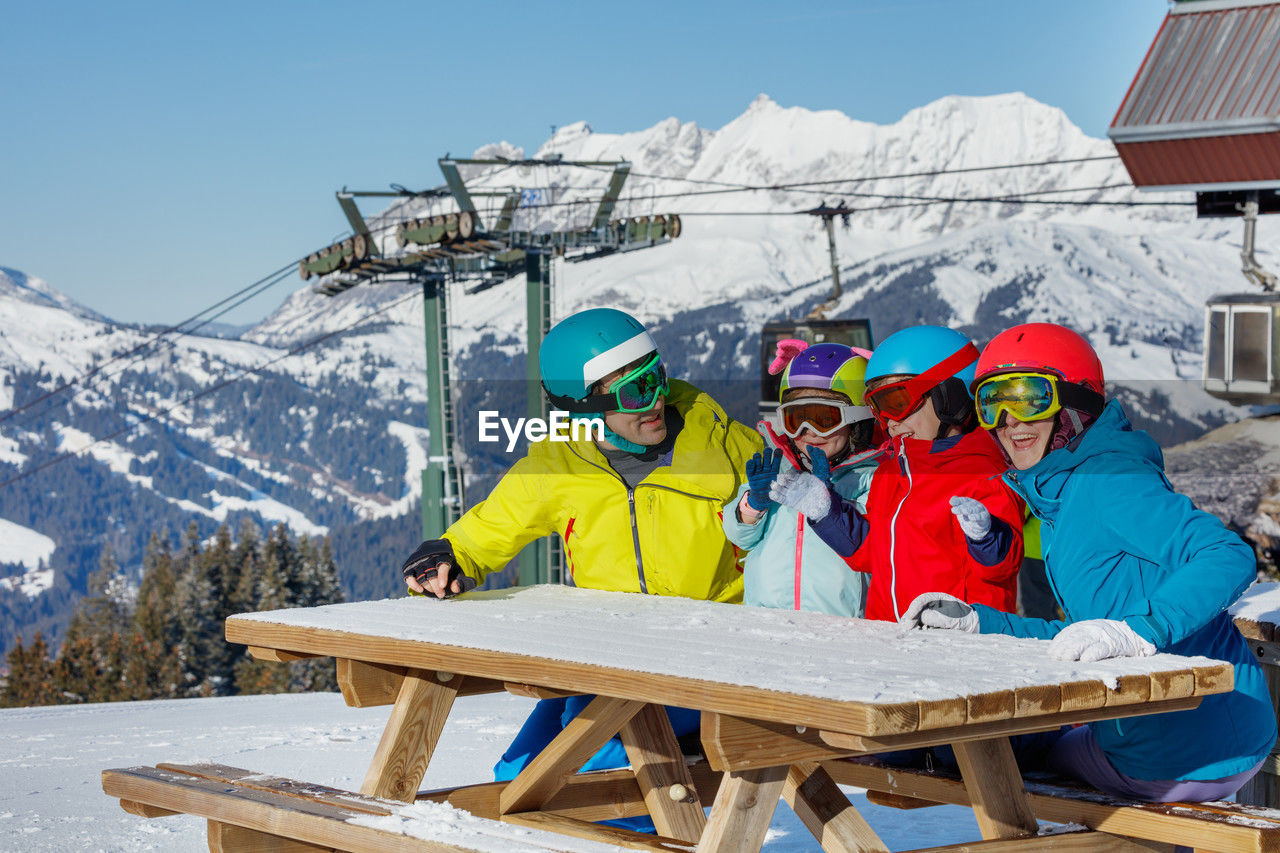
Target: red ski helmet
x,y
1043,348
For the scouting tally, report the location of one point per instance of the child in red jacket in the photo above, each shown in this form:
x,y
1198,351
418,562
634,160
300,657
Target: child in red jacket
x,y
939,517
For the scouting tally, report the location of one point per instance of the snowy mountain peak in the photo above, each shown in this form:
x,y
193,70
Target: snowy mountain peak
x,y
17,285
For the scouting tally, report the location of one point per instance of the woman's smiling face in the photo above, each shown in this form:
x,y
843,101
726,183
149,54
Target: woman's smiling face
x,y
1024,443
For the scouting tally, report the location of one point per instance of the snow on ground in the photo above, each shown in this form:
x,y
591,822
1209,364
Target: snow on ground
x,y
23,545
30,584
10,454
52,758
415,444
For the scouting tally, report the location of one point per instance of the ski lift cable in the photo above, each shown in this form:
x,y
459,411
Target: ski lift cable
x,y
1010,198
88,380
922,174
70,454
837,211
258,287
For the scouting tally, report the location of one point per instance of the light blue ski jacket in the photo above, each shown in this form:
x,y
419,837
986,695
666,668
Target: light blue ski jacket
x,y
1119,543
788,566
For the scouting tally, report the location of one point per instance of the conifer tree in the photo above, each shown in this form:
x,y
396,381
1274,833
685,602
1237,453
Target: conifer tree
x,y
76,673
194,606
90,663
151,671
30,680
155,617
108,608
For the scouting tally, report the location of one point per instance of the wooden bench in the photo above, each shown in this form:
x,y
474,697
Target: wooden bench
x,y
259,812
1217,826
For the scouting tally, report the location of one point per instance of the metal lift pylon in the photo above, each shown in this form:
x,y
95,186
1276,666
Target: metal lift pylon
x,y
438,250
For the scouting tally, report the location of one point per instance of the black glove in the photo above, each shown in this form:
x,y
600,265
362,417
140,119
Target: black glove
x,y
424,564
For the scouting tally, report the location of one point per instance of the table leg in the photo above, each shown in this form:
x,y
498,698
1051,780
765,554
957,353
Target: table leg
x,y
659,767
743,809
821,806
560,759
411,734
995,788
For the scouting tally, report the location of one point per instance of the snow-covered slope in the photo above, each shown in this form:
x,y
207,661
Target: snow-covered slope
x,y
328,436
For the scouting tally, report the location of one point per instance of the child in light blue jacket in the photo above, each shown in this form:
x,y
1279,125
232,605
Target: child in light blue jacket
x,y
787,566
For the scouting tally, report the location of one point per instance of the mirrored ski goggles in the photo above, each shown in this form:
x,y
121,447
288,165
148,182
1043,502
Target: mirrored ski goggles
x,y
897,400
639,390
819,415
1025,396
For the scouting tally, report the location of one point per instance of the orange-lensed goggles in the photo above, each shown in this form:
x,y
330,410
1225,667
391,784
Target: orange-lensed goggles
x,y
819,415
897,400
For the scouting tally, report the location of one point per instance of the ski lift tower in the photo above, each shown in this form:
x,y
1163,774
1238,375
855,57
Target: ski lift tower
x,y
1203,114
438,237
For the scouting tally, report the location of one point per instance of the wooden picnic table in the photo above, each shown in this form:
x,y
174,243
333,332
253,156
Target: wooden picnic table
x,y
779,691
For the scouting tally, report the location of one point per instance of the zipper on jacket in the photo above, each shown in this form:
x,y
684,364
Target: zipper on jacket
x,y
893,532
799,555
631,509
635,538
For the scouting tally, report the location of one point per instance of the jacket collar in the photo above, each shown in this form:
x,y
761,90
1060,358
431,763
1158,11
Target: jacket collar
x,y
923,453
1043,484
698,463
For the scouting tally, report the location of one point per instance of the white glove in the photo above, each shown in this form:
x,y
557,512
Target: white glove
x,y
1098,639
801,491
939,610
974,518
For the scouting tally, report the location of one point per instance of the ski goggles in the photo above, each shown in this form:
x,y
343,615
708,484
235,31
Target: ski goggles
x,y
1025,396
897,400
819,415
639,390
1029,397
636,391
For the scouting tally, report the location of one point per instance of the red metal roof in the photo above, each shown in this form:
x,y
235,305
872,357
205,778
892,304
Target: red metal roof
x,y
1204,109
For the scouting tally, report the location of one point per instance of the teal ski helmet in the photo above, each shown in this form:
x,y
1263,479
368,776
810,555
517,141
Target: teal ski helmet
x,y
915,349
584,348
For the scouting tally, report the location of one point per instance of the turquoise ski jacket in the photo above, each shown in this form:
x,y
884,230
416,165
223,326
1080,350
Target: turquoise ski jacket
x,y
788,566
1119,543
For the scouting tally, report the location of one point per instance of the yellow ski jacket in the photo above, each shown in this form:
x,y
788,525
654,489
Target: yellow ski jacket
x,y
664,537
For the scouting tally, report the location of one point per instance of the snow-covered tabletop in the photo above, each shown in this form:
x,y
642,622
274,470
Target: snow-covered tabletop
x,y
1257,613
721,657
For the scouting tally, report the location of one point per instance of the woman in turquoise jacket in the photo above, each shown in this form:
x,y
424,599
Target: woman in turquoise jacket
x,y
1135,567
788,567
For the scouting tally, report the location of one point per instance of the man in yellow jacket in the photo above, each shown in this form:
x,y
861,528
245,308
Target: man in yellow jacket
x,y
639,509
638,506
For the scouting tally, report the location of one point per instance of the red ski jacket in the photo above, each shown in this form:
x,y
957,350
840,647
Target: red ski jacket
x,y
913,543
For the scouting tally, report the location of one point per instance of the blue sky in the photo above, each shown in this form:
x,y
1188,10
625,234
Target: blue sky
x,y
160,156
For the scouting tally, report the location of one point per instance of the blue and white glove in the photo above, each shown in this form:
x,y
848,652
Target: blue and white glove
x,y
804,492
974,518
762,470
1099,639
819,464
939,610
